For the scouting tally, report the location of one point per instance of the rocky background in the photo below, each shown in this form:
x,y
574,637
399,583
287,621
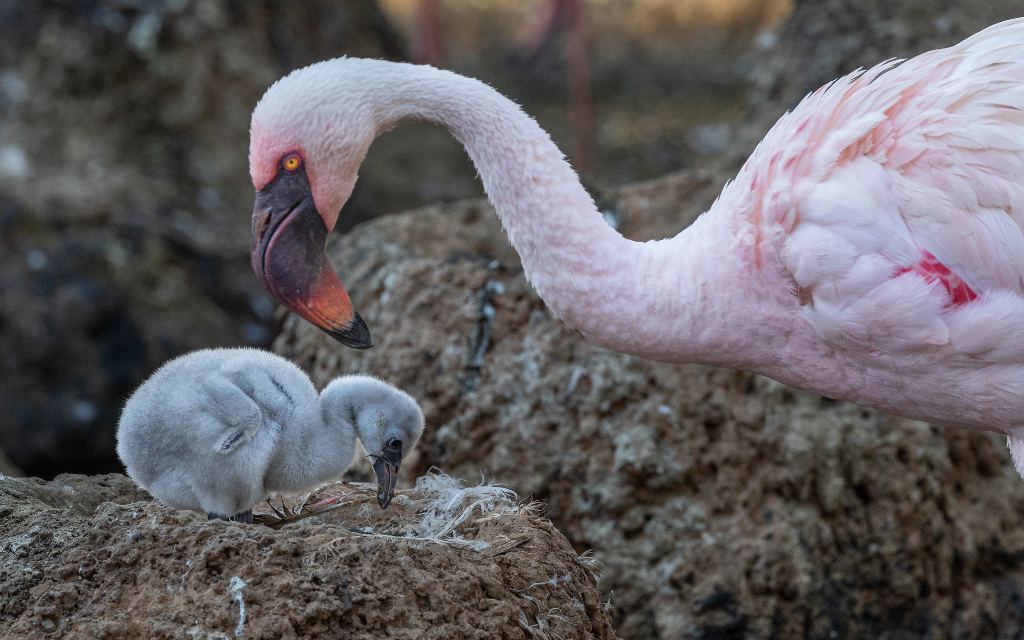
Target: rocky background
x,y
721,504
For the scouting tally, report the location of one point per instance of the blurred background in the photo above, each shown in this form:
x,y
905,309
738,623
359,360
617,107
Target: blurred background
x,y
124,189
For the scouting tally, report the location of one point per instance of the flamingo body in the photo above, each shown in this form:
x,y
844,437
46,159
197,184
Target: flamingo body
x,y
870,249
892,201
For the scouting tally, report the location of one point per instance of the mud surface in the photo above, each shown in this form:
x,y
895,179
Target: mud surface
x,y
92,556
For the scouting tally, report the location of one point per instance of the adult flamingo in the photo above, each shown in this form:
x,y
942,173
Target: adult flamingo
x,y
871,248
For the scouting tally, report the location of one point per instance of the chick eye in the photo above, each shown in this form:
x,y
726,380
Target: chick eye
x,y
393,443
291,162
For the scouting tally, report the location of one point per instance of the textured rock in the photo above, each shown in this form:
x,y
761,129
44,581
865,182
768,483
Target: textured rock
x,y
825,39
722,504
92,556
7,467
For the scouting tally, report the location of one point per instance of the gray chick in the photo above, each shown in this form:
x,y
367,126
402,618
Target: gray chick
x,y
219,430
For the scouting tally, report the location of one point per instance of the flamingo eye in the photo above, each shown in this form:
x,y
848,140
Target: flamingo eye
x,y
291,162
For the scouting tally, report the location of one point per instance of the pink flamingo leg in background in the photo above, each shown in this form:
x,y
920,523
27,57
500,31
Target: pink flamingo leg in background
x,y
426,44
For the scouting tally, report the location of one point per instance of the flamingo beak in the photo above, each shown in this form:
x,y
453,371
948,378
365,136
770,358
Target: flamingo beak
x,y
385,468
288,237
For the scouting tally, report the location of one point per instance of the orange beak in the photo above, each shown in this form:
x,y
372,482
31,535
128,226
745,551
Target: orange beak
x,y
288,238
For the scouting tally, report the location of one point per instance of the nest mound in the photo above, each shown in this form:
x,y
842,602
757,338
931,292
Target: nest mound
x,y
93,556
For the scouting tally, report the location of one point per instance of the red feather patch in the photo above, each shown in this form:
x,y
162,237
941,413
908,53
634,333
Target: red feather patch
x,y
931,270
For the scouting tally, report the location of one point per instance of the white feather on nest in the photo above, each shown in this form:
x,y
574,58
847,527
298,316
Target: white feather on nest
x,y
444,504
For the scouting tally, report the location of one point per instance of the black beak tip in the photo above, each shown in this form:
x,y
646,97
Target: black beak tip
x,y
385,468
356,335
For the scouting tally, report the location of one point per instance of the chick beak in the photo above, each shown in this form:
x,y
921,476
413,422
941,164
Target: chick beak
x,y
288,238
385,468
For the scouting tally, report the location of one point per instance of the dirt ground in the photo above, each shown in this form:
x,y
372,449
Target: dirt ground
x,y
94,557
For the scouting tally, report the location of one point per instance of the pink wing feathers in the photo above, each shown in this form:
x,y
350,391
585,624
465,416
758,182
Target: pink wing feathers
x,y
897,197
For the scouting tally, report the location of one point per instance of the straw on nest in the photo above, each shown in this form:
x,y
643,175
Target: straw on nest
x,y
439,509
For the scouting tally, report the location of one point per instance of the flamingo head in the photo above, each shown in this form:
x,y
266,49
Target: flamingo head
x,y
306,144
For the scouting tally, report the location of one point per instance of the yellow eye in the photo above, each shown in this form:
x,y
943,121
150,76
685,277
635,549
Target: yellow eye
x,y
291,162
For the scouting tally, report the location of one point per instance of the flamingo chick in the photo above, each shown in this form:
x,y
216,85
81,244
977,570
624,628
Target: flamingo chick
x,y
871,248
219,430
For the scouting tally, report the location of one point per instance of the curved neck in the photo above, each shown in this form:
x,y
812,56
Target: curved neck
x,y
640,298
345,404
319,446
